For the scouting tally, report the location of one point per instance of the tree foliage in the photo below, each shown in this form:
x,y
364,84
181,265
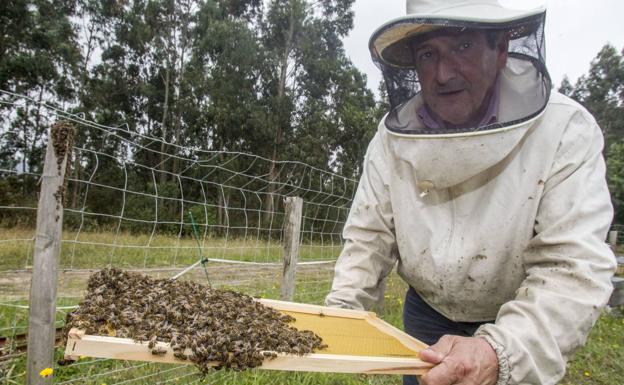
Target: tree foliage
x,y
601,91
266,77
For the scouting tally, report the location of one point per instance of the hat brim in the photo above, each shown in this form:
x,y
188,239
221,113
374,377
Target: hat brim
x,y
390,42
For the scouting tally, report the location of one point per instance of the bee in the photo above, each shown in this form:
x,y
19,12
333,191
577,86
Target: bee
x,y
152,342
222,327
179,354
159,351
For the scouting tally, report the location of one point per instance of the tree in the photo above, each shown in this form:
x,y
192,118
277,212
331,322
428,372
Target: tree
x,y
601,91
615,167
266,77
566,87
38,58
317,97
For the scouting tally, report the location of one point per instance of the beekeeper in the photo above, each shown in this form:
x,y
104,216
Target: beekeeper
x,y
487,189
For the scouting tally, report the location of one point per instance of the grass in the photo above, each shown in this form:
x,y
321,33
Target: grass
x,y
87,250
311,288
599,362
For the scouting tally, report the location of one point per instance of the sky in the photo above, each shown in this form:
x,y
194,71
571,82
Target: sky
x,y
576,30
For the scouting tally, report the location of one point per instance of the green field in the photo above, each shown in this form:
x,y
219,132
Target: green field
x,y
88,250
601,361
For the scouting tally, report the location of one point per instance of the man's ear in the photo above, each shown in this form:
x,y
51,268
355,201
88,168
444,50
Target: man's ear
x,y
502,48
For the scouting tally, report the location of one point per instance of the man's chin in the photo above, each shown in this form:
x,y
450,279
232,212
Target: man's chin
x,y
449,113
454,121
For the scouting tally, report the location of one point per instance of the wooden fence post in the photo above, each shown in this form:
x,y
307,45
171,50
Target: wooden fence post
x,y
293,208
42,303
613,240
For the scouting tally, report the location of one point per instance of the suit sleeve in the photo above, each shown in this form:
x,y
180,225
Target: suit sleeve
x,y
369,253
568,265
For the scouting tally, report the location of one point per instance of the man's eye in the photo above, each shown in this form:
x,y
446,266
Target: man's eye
x,y
425,55
465,45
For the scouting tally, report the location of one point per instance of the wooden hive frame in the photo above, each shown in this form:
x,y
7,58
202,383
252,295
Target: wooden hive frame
x,y
406,362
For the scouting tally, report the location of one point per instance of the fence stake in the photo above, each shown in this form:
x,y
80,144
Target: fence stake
x,y
613,239
42,303
293,208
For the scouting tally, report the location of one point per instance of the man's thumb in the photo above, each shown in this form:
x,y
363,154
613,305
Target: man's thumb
x,y
435,353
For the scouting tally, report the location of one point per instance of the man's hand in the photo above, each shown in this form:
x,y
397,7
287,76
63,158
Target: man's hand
x,y
460,360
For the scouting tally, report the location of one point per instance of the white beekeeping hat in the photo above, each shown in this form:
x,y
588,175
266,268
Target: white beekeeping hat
x,y
525,83
389,42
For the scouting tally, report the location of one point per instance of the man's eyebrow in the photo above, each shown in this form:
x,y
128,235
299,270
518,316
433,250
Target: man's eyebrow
x,y
417,46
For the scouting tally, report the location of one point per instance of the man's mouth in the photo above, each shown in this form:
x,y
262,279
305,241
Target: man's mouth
x,y
450,92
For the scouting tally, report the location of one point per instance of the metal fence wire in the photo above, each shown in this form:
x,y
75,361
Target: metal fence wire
x,y
128,203
136,202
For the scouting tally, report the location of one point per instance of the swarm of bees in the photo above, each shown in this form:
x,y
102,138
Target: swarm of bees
x,y
211,328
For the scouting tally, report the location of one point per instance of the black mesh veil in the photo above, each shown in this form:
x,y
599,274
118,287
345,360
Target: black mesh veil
x,y
526,46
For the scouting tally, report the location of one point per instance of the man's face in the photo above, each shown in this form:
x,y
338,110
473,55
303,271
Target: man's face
x,y
456,73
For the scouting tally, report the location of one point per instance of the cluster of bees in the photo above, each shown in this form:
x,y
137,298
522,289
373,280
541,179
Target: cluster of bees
x,y
62,133
62,140
209,327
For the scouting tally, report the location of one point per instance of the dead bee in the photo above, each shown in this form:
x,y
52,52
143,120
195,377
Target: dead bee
x,y
179,354
269,354
159,351
152,342
222,327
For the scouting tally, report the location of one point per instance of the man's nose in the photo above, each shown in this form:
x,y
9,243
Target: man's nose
x,y
445,70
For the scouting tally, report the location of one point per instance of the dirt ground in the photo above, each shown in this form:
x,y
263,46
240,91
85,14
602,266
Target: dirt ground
x,y
15,285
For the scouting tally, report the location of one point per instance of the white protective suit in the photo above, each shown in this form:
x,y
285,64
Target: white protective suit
x,y
507,224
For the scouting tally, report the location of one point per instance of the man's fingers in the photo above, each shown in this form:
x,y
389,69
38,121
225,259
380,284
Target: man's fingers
x,y
460,360
435,353
431,356
443,374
